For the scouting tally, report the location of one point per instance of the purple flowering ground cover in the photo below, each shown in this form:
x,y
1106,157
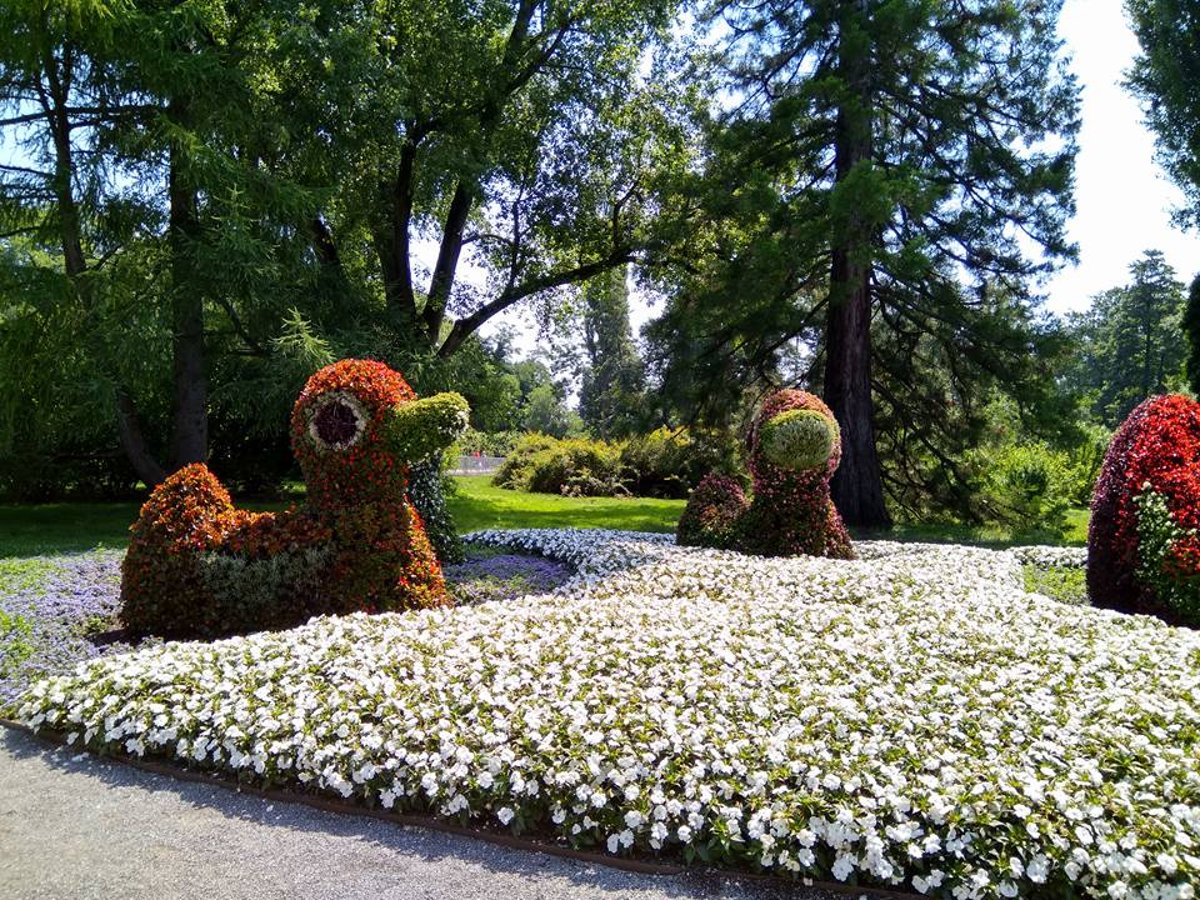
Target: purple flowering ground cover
x,y
57,611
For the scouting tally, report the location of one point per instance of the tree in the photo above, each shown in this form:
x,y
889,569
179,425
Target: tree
x,y
611,395
1164,78
907,150
1191,328
141,154
517,137
1129,340
53,195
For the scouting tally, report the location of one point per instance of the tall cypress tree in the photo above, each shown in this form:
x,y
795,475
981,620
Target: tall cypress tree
x,y
1191,328
614,381
913,146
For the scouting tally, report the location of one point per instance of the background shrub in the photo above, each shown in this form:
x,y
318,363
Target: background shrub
x,y
486,443
578,467
515,473
670,462
1028,487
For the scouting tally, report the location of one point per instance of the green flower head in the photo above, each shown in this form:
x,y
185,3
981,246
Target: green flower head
x,y
798,439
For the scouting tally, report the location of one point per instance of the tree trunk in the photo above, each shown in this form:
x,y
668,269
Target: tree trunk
x,y
858,484
76,268
189,437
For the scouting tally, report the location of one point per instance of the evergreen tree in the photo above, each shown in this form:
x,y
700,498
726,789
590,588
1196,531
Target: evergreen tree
x,y
1191,328
1129,340
611,395
873,180
1164,77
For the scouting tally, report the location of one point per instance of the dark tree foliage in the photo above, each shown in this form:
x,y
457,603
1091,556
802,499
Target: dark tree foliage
x,y
1164,77
1191,328
611,396
873,192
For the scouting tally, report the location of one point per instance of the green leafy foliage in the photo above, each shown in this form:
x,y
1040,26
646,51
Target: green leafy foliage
x,y
798,439
1162,569
577,467
16,642
517,470
1066,584
670,462
1128,341
421,428
1164,77
1025,486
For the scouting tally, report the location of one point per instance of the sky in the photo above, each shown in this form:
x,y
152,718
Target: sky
x,y
1123,199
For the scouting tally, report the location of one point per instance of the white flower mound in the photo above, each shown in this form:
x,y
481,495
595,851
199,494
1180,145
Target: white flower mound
x,y
913,718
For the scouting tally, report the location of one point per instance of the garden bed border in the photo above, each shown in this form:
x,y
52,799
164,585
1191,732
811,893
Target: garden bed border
x,y
56,739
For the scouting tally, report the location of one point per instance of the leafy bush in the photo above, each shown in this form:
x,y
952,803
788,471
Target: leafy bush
x,y
488,443
671,462
578,467
1156,451
516,471
1027,487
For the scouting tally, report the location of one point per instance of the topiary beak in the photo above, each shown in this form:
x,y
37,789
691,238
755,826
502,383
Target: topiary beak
x,y
799,439
419,428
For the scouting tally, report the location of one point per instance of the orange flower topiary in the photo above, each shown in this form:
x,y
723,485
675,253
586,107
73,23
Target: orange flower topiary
x,y
197,567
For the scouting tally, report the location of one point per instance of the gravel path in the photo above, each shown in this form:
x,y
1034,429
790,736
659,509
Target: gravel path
x,y
75,826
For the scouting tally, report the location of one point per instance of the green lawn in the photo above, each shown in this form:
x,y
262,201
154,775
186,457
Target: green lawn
x,y
29,530
480,505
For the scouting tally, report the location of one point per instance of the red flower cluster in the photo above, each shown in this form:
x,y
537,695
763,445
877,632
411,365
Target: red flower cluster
x,y
1157,447
199,568
791,511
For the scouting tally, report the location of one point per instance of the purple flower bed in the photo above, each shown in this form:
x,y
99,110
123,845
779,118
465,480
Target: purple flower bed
x,y
62,607
503,576
57,611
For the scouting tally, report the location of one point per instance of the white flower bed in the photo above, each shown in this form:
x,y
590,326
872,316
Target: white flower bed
x,y
911,719
1048,557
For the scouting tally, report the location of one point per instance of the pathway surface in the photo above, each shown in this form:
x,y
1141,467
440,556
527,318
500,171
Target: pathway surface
x,y
74,826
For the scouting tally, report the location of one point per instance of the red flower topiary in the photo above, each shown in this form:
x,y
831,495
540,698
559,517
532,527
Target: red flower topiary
x,y
1156,449
795,447
198,567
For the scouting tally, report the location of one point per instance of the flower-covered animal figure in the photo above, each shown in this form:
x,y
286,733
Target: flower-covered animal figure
x,y
198,567
1144,532
795,447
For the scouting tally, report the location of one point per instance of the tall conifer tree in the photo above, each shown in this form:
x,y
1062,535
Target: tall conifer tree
x,y
915,149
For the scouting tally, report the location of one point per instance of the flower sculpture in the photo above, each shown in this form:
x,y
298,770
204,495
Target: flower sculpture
x,y
1144,533
795,447
198,567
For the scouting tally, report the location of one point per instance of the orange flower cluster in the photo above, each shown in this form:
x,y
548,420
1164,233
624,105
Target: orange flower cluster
x,y
197,567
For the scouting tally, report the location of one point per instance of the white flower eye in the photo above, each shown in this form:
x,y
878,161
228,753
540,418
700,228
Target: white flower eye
x,y
337,421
